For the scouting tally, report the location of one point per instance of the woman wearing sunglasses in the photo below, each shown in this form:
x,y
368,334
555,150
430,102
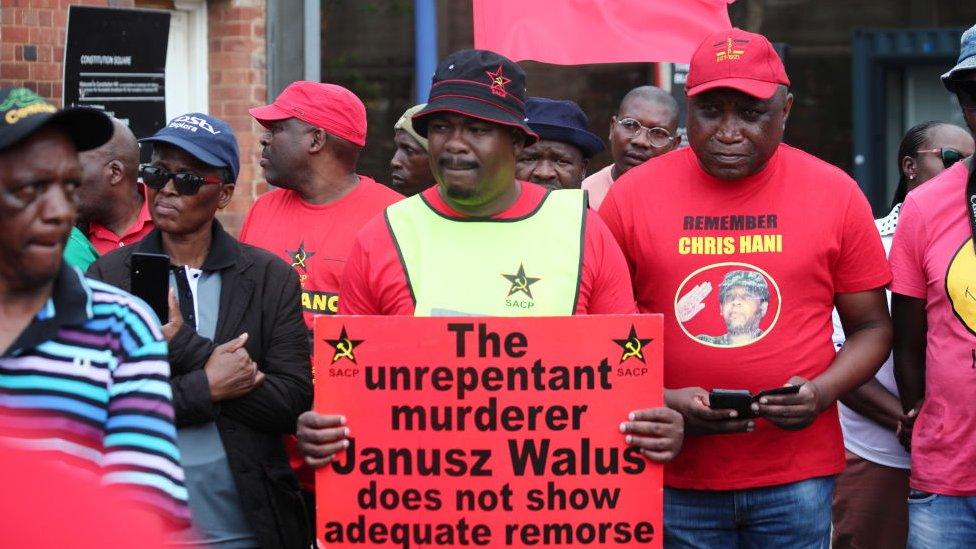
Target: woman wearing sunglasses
x,y
238,347
933,261
869,507
926,150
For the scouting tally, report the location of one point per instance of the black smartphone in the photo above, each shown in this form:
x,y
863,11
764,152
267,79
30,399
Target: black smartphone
x,y
778,391
739,400
150,282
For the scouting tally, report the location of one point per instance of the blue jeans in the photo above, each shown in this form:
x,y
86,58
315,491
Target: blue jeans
x,y
943,522
795,515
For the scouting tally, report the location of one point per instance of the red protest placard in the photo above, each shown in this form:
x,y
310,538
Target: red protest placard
x,y
490,432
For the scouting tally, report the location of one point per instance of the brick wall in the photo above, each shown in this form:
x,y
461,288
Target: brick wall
x,y
32,37
237,82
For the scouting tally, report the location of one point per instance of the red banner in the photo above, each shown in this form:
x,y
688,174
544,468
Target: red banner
x,y
492,432
576,32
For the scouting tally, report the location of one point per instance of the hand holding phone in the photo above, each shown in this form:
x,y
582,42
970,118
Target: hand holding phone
x,y
739,400
778,391
700,417
791,407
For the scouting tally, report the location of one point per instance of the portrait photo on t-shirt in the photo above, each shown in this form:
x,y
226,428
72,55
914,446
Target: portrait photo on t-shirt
x,y
727,304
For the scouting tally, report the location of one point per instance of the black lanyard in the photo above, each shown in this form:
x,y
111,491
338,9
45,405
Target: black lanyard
x,y
185,296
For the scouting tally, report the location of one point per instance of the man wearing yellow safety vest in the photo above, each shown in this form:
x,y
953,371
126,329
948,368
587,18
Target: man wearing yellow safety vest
x,y
481,242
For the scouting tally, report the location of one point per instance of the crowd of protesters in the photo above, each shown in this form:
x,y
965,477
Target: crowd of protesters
x,y
200,417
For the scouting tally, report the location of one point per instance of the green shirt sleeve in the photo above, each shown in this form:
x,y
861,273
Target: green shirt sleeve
x,y
79,252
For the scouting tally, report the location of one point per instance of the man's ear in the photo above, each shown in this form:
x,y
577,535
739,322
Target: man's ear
x,y
226,193
116,172
613,122
787,105
319,140
518,142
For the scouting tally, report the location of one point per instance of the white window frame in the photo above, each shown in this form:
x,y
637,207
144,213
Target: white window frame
x,y
198,71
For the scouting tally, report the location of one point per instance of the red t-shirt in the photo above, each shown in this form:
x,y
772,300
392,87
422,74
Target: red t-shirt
x,y
751,266
374,282
104,240
315,239
46,504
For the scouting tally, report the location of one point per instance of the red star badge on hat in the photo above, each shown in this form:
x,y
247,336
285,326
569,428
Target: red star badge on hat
x,y
498,82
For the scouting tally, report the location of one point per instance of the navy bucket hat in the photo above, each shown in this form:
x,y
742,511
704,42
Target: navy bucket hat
x,y
561,120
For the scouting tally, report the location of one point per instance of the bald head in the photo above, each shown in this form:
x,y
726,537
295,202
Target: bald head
x,y
108,190
123,147
653,95
652,109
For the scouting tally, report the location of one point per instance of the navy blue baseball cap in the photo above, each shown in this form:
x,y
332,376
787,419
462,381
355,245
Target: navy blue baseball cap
x,y
967,57
209,139
561,120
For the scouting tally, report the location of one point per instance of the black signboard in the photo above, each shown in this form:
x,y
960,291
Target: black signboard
x,y
115,60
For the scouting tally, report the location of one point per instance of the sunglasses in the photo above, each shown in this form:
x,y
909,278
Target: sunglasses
x,y
185,183
948,156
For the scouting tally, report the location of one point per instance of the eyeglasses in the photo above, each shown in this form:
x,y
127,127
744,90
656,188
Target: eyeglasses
x,y
966,93
186,184
948,156
658,137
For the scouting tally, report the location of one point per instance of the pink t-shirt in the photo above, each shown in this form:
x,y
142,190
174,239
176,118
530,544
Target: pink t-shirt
x,y
932,258
597,186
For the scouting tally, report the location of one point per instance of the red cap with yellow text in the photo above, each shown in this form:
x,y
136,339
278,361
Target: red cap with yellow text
x,y
328,106
739,60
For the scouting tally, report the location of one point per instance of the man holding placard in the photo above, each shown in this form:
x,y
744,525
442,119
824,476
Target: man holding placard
x,y
477,215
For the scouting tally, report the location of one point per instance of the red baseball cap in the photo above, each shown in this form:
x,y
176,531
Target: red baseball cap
x,y
736,59
328,106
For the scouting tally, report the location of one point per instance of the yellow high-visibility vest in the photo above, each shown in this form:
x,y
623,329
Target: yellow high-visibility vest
x,y
527,266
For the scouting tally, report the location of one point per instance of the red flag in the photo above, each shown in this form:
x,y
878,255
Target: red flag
x,y
576,32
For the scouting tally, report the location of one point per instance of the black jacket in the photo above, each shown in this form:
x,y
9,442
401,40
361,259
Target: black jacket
x,y
260,295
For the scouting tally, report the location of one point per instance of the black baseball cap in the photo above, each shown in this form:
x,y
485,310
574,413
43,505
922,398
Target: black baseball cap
x,y
481,84
23,112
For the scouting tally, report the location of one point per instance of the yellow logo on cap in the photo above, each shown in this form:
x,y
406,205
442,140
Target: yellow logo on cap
x,y
27,103
728,52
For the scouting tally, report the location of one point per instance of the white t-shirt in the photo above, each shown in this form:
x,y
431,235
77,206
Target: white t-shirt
x,y
863,436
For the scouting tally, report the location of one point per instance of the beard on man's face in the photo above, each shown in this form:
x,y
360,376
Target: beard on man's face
x,y
746,326
458,192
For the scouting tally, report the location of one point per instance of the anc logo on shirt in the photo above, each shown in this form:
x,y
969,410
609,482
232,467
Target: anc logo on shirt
x,y
314,302
961,287
633,346
520,284
344,347
300,257
728,49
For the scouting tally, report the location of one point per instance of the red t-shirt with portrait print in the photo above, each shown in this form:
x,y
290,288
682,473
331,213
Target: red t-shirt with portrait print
x,y
751,268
